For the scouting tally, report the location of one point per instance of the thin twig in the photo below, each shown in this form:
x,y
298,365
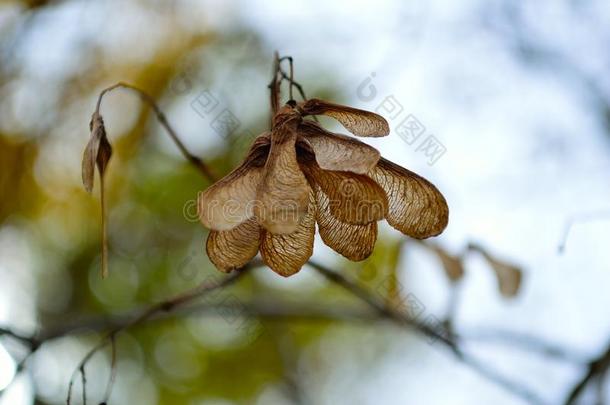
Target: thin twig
x,y
274,86
384,310
18,370
112,377
602,392
30,341
310,312
294,83
104,241
282,311
316,312
596,368
84,383
275,83
197,162
527,342
579,218
291,77
298,86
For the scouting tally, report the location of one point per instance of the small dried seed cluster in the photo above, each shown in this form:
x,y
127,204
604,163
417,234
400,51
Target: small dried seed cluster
x,y
299,174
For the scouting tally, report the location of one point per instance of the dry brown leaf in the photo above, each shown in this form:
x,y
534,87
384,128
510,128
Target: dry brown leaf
x,y
231,201
509,276
416,207
286,254
97,152
233,249
453,266
338,152
355,242
283,193
358,122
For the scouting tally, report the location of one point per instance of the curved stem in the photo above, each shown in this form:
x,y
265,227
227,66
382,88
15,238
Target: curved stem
x,y
197,162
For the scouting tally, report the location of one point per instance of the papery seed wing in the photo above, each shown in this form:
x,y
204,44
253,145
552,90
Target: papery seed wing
x,y
417,208
353,198
358,122
453,264
283,193
231,201
233,249
286,254
338,152
355,242
509,275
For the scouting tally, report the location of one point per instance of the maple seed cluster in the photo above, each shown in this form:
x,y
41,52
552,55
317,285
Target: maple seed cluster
x,y
299,174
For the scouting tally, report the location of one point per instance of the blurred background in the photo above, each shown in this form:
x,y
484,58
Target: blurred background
x,y
513,95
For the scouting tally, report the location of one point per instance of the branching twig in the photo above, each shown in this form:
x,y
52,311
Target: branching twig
x,y
440,335
291,76
163,306
278,74
293,83
31,342
314,312
384,310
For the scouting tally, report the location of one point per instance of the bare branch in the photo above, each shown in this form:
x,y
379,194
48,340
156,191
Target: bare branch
x,y
163,306
385,310
315,312
440,335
